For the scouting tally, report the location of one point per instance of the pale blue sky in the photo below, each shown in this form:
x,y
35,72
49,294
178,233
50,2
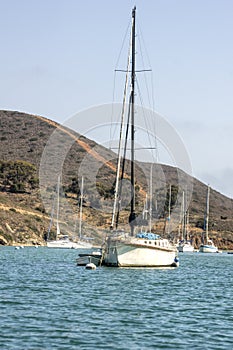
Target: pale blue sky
x,y
58,57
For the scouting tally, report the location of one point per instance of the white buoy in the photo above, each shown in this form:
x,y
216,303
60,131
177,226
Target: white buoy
x,y
17,247
90,266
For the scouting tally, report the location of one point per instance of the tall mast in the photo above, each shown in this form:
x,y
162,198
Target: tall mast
x,y
132,207
58,205
81,210
150,206
168,219
183,217
169,202
186,232
207,213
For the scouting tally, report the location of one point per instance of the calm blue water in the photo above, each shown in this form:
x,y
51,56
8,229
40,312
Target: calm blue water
x,y
47,302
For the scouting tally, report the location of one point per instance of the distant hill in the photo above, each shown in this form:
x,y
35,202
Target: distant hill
x,y
25,217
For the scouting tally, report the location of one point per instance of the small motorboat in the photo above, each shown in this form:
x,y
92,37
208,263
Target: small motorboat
x,y
89,258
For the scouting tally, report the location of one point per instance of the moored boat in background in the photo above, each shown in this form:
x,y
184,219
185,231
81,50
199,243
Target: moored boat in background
x,y
83,242
61,241
208,245
185,244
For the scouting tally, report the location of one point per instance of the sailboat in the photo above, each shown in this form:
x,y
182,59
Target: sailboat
x,y
61,241
208,245
184,244
82,243
127,249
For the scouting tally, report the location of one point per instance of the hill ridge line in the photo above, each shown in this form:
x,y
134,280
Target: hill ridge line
x,y
81,143
84,145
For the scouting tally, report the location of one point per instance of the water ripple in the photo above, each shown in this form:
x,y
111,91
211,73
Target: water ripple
x,y
47,302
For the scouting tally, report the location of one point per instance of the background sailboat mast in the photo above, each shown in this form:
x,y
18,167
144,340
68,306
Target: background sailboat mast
x,y
182,217
207,213
58,205
81,210
150,206
132,208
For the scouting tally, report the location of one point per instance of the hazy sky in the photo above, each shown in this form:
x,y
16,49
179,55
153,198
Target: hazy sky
x,y
58,57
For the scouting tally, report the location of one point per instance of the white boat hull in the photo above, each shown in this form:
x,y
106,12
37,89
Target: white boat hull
x,y
186,247
137,253
82,245
208,249
56,244
66,243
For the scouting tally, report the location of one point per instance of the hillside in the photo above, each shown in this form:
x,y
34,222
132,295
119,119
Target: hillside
x,y
25,207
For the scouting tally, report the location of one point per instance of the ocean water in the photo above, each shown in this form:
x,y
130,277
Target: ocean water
x,y
47,302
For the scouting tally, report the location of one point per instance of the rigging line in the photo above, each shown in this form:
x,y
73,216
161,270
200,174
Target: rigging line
x,y
147,88
121,139
152,85
145,119
112,132
123,43
112,111
144,49
150,96
143,42
123,163
155,120
153,92
145,77
152,117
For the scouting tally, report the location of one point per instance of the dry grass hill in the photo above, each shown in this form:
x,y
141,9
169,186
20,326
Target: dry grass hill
x,y
35,150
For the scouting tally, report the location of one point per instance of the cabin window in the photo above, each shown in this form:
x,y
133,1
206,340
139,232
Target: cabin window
x,y
145,242
149,242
